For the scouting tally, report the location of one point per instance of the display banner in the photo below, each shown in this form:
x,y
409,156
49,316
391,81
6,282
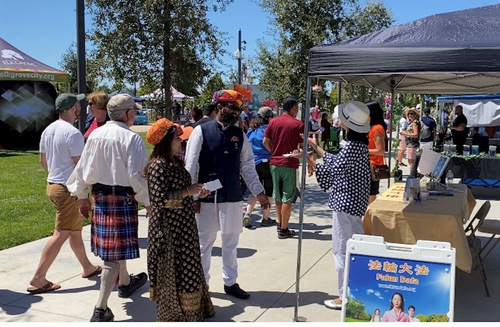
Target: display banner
x,y
390,282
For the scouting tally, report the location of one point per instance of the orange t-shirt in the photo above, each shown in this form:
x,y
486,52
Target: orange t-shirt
x,y
375,160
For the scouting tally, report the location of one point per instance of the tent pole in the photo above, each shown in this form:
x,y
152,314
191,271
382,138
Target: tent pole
x,y
81,70
302,197
390,135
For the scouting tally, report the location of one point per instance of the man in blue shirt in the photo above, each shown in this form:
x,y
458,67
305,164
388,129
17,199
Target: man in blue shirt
x,y
428,134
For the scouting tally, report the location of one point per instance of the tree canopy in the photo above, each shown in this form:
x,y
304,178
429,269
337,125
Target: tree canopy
x,y
284,65
171,41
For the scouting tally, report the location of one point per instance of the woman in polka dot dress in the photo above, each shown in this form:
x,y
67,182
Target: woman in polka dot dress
x,y
347,177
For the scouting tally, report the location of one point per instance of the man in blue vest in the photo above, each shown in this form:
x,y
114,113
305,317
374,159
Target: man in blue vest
x,y
219,150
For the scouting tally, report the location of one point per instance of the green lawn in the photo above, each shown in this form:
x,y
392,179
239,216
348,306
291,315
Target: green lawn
x,y
26,213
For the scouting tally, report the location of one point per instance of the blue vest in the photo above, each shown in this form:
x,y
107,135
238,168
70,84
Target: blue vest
x,y
220,159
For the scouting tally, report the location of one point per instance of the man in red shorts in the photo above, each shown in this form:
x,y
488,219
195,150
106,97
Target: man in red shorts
x,y
282,136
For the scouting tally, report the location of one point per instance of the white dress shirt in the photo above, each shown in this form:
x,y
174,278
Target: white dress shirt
x,y
113,155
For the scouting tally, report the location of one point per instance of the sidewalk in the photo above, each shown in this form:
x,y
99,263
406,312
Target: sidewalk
x,y
267,268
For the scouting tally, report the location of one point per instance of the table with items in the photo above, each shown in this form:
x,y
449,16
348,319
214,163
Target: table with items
x,y
439,218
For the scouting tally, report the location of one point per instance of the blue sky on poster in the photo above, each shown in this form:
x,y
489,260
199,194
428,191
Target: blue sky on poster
x,y
45,29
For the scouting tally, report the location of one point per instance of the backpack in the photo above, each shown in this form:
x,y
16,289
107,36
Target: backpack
x,y
426,132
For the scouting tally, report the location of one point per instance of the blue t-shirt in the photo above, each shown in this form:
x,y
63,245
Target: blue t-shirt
x,y
255,137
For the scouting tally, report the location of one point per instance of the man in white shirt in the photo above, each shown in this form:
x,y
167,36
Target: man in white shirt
x,y
219,150
111,165
411,314
61,145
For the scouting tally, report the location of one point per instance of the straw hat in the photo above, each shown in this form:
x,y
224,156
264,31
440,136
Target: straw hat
x,y
414,111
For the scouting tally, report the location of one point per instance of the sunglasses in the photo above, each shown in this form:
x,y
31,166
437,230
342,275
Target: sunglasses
x,y
410,114
91,103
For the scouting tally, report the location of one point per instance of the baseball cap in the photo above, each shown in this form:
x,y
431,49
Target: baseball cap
x,y
122,102
419,106
265,112
67,100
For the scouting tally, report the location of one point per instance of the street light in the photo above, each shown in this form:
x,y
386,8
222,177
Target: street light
x,y
238,55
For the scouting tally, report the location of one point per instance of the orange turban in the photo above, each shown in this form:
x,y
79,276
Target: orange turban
x,y
228,96
159,129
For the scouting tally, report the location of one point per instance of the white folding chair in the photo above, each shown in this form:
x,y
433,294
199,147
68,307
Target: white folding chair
x,y
475,242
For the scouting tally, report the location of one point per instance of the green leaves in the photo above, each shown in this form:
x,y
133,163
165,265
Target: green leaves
x,y
302,24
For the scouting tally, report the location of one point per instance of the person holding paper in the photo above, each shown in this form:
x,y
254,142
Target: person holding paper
x,y
219,150
177,283
347,177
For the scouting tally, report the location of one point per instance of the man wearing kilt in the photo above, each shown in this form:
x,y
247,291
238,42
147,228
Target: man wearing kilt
x,y
111,165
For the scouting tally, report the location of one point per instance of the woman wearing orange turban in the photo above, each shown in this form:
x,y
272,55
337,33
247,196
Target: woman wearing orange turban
x,y
177,283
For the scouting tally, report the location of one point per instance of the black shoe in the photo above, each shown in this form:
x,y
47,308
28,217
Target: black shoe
x,y
236,291
101,315
286,233
267,222
278,227
136,281
402,164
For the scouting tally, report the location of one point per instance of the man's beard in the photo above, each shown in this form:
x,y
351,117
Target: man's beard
x,y
229,119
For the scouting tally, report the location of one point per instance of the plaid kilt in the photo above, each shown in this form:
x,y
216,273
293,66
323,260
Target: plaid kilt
x,y
114,227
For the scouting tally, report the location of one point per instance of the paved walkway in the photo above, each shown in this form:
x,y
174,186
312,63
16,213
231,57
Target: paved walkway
x,y
267,268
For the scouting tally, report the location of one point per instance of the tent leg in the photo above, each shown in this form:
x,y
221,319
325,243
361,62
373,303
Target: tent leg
x,y
302,192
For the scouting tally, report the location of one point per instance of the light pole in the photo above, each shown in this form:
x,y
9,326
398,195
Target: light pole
x,y
239,55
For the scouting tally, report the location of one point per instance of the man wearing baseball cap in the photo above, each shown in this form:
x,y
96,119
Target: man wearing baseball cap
x,y
219,150
111,166
61,145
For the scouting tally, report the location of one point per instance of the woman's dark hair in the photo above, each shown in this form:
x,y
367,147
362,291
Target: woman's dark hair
x,y
402,300
324,116
352,135
376,114
164,150
259,121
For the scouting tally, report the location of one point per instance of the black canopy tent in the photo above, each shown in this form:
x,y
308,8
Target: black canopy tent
x,y
450,53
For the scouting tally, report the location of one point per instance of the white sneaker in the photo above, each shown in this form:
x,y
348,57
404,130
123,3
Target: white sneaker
x,y
332,305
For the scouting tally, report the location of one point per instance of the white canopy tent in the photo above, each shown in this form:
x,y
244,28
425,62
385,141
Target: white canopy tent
x,y
158,94
480,110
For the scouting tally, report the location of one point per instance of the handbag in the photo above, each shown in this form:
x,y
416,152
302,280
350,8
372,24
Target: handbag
x,y
380,172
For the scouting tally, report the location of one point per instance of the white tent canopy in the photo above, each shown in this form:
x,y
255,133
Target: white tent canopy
x,y
481,110
158,94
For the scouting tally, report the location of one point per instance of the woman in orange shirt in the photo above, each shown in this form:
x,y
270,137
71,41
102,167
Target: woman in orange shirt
x,y
376,142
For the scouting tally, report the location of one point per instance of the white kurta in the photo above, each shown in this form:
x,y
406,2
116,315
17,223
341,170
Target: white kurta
x,y
226,217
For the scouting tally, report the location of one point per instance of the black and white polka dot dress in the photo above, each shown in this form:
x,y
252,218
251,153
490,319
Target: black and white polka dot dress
x,y
347,176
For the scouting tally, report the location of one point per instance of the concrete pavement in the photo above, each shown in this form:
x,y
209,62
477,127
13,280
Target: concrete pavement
x,y
267,269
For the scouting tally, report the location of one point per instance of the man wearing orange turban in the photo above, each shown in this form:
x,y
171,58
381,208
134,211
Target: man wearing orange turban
x,y
219,150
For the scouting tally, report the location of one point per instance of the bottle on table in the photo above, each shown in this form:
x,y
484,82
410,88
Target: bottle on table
x,y
449,179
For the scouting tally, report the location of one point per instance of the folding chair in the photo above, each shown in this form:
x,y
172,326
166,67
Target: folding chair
x,y
492,227
475,242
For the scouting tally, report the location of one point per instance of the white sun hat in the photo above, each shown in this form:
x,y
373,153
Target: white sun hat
x,y
355,114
